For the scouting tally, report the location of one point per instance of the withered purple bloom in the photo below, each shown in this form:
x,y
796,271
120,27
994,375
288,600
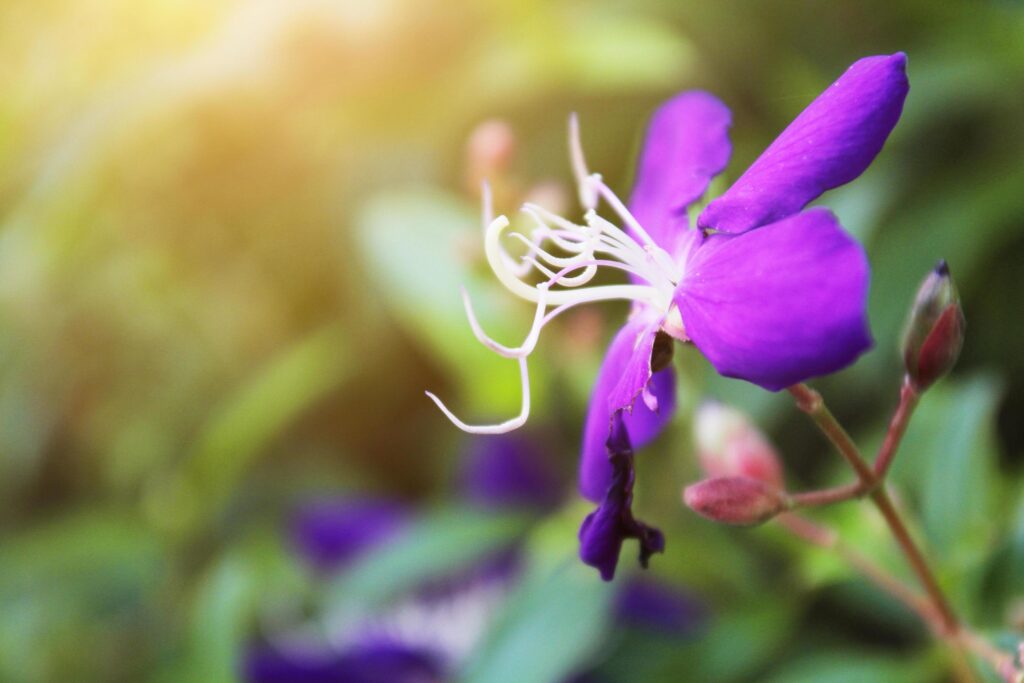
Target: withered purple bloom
x,y
767,291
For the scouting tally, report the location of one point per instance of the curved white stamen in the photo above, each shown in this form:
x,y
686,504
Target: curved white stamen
x,y
630,249
502,427
560,261
494,251
588,197
524,349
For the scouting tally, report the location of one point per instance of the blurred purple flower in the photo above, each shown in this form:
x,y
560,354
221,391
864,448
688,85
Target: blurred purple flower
x,y
331,533
508,472
376,663
421,638
653,605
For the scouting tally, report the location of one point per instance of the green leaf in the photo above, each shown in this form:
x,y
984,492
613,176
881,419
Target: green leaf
x,y
854,667
73,594
947,462
248,420
435,546
552,624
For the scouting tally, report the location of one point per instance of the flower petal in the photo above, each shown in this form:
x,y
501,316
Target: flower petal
x,y
778,305
625,372
687,145
604,530
829,144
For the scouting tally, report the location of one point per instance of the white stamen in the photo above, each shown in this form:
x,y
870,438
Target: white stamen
x,y
502,427
588,197
634,252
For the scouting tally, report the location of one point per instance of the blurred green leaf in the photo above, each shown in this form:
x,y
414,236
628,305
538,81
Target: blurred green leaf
x,y
437,545
73,596
248,420
855,667
552,625
947,462
617,52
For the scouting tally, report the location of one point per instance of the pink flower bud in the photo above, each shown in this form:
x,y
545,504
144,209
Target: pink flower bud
x,y
735,500
729,445
489,152
934,331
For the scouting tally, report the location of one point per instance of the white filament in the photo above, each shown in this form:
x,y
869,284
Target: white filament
x,y
581,245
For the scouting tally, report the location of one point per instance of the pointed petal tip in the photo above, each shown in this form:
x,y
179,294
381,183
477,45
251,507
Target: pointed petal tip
x,y
831,142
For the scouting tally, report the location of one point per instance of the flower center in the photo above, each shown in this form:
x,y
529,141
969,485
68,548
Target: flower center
x,y
582,251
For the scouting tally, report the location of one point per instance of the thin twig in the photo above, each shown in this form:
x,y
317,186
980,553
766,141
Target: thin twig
x,y
897,427
811,402
836,494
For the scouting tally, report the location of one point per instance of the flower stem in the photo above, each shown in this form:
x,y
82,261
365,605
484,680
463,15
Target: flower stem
x,y
908,401
836,494
811,402
828,539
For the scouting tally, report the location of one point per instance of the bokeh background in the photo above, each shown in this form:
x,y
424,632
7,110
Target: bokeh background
x,y
231,240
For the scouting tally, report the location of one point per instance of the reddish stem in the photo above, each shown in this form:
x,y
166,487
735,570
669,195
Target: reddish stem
x,y
810,401
897,427
836,494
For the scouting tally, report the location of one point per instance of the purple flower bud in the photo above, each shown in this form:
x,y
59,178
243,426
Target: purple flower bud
x,y
934,331
735,500
730,445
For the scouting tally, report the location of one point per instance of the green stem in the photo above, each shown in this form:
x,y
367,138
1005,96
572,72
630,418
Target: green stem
x,y
811,402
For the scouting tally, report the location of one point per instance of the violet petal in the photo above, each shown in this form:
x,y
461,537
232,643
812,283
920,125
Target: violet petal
x,y
687,144
625,371
829,144
781,304
603,531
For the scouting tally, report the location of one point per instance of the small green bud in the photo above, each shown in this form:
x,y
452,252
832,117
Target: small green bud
x,y
934,332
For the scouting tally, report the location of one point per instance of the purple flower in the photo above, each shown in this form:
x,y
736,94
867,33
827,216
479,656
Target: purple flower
x,y
767,291
377,663
508,472
331,533
656,606
424,636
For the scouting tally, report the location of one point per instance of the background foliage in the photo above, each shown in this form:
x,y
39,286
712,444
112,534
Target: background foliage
x,y
231,240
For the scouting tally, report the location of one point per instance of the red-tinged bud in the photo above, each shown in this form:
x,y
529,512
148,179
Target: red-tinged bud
x,y
735,500
730,445
489,152
934,331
